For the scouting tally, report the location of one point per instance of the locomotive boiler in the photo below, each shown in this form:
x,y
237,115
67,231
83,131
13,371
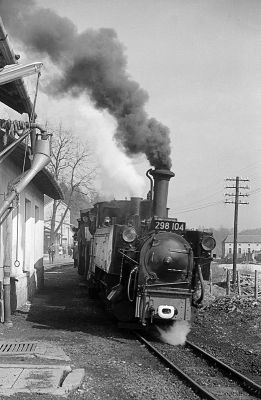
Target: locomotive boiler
x,y
146,266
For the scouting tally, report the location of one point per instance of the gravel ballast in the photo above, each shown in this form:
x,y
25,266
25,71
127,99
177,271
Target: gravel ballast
x,y
116,365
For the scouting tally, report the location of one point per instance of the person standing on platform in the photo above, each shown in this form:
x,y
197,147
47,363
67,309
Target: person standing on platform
x,y
75,254
51,252
60,250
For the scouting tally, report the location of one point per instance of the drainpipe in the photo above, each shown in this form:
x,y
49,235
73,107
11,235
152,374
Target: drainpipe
x,y
30,130
41,159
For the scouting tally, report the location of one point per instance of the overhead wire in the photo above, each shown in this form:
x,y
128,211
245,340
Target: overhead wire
x,y
185,210
199,208
189,206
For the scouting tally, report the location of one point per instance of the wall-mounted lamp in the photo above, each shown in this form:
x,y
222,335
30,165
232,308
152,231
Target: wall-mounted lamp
x,y
12,72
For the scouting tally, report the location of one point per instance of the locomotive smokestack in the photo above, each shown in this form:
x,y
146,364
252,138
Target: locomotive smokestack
x,y
135,205
160,197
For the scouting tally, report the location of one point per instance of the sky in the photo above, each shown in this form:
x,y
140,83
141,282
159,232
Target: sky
x,y
200,63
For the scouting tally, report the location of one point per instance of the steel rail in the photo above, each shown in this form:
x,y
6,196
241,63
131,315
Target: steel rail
x,y
196,387
242,379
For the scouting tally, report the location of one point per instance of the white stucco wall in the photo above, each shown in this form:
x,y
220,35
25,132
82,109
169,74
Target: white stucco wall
x,y
24,242
245,248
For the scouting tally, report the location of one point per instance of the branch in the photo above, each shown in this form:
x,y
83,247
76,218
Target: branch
x,y
62,219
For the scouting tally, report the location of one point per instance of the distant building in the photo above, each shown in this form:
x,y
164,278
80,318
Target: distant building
x,y
248,246
64,236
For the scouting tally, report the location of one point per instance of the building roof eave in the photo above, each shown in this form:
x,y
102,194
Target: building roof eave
x,y
45,182
243,238
13,94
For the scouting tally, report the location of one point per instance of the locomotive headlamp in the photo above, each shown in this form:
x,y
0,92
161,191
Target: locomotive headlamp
x,y
208,243
129,234
166,312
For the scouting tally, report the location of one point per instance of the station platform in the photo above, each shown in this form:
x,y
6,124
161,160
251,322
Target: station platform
x,y
33,358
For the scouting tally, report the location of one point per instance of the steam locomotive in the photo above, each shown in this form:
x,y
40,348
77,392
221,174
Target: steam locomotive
x,y
147,267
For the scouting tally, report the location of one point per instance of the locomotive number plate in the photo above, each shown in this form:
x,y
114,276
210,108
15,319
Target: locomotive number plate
x,y
168,225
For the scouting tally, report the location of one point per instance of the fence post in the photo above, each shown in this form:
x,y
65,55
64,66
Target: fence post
x,y
210,281
238,283
228,282
256,284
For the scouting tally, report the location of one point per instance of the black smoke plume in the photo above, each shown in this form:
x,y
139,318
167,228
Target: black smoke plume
x,y
91,62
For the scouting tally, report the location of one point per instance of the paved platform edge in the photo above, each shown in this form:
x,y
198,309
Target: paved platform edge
x,y
71,382
36,366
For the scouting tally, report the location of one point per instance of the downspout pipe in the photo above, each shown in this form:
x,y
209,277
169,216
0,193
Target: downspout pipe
x,y
35,125
30,127
41,159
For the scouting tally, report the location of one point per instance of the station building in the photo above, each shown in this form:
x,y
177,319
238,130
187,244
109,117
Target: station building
x,y
22,221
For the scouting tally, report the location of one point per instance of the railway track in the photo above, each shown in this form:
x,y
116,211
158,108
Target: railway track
x,y
209,377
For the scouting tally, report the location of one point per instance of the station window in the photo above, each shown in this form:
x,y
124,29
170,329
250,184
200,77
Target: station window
x,y
36,214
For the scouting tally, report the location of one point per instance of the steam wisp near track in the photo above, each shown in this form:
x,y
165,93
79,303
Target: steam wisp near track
x,y
206,375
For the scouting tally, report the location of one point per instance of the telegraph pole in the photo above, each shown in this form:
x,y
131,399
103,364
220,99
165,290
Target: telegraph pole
x,y
236,201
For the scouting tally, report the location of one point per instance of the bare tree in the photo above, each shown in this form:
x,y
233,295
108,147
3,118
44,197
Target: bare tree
x,y
73,168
